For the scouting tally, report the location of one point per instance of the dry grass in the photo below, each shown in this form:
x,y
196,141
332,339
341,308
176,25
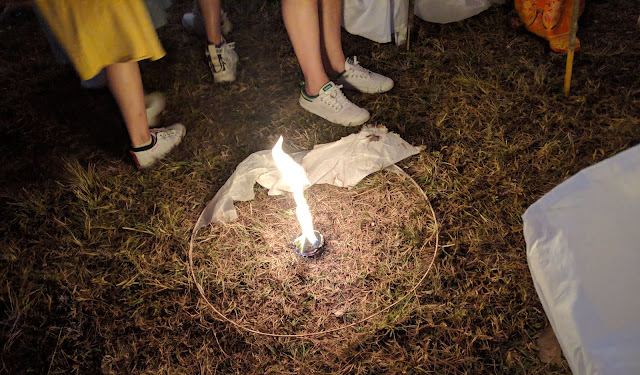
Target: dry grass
x,y
379,241
93,266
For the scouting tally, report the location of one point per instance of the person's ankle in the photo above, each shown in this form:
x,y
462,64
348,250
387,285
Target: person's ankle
x,y
336,70
305,94
336,76
218,44
142,146
313,89
310,93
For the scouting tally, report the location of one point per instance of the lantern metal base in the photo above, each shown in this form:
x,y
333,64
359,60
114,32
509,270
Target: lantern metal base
x,y
306,248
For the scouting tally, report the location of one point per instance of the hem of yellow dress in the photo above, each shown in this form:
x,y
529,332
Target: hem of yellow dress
x,y
87,73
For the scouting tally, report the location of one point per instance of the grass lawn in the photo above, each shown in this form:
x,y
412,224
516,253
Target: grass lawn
x,y
94,274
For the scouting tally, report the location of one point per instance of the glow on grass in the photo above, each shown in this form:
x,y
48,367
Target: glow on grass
x,y
294,175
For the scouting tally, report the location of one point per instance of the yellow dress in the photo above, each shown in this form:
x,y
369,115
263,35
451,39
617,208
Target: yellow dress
x,y
98,33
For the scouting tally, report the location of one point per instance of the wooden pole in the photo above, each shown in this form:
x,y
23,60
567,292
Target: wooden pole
x,y
412,5
572,46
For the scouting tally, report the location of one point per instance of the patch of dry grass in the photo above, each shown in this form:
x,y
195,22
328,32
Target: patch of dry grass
x,y
93,266
379,241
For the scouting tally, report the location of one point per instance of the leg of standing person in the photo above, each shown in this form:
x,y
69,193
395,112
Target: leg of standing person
x,y
148,146
125,83
100,47
194,22
318,95
211,14
221,56
330,37
345,72
302,22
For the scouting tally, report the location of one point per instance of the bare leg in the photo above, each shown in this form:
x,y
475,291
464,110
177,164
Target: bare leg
x,y
126,86
330,39
211,15
303,26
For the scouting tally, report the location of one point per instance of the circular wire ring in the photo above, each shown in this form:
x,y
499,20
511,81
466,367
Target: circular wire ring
x,y
393,168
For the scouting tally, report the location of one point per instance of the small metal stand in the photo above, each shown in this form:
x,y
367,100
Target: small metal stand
x,y
306,248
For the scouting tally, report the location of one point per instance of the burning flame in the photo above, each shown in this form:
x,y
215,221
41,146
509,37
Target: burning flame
x,y
294,175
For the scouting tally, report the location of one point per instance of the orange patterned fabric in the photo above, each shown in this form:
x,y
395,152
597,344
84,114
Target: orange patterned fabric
x,y
550,19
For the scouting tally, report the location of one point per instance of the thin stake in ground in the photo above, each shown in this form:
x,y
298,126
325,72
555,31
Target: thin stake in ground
x,y
412,5
572,46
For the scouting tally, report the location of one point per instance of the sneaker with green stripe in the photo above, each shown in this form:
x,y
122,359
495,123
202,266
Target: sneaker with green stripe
x,y
333,106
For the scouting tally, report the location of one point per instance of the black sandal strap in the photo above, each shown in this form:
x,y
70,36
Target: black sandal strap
x,y
147,147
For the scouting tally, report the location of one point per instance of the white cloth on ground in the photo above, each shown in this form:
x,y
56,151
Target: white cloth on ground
x,y
342,163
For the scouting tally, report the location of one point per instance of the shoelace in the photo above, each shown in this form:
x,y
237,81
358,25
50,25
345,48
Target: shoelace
x,y
334,98
223,60
356,70
161,133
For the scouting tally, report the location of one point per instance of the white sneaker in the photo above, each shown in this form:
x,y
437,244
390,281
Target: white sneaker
x,y
154,103
333,106
355,77
163,140
223,61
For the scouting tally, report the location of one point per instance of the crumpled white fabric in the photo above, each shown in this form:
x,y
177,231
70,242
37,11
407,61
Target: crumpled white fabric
x,y
583,250
446,11
343,163
375,19
378,20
